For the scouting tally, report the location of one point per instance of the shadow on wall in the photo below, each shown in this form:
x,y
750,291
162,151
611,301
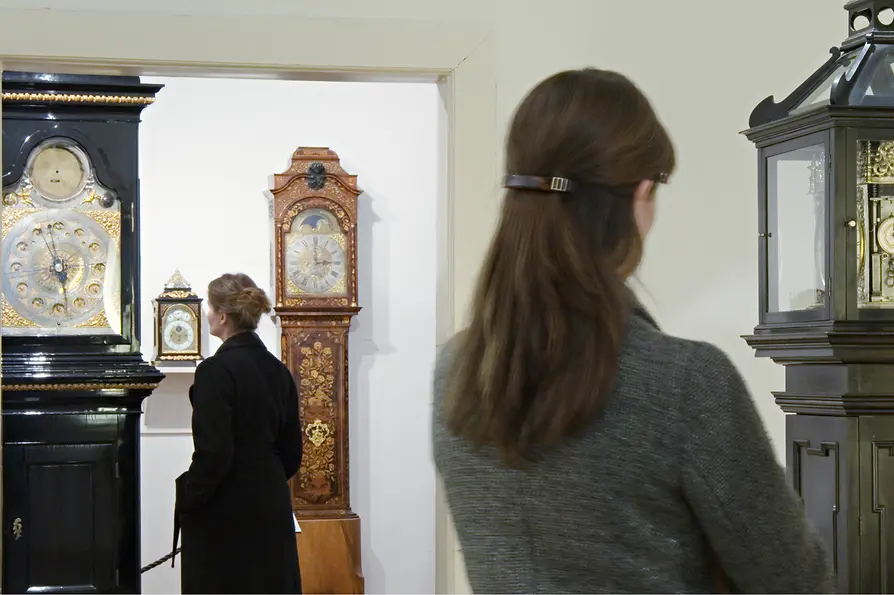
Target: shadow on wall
x,y
168,408
362,351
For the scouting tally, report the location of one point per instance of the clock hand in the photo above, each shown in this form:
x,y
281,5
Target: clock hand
x,y
52,237
25,272
65,293
58,267
52,251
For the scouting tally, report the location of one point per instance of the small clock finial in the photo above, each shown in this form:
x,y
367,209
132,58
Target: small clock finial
x,y
177,281
316,178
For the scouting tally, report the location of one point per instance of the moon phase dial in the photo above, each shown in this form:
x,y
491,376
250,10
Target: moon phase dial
x,y
55,267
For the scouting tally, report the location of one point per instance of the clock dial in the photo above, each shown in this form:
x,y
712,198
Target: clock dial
x,y
57,172
178,332
315,258
56,269
886,235
316,263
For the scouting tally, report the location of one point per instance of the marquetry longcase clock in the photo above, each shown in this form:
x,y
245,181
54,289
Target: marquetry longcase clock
x,y
314,212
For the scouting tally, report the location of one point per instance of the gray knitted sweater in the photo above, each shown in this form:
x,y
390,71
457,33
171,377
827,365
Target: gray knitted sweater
x,y
679,460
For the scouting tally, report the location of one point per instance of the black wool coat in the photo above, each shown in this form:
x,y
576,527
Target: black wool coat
x,y
233,504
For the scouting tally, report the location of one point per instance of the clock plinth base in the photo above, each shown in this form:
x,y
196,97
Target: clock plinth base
x,y
329,554
840,448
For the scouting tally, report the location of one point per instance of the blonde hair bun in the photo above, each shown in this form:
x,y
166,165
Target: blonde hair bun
x,y
237,296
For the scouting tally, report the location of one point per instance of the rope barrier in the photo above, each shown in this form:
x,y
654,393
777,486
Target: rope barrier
x,y
159,562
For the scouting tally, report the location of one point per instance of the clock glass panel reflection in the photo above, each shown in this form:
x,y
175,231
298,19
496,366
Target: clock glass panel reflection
x,y
796,238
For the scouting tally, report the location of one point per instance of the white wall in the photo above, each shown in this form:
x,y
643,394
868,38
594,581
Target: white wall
x,y
207,147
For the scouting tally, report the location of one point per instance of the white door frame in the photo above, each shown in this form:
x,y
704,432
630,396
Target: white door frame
x,y
459,56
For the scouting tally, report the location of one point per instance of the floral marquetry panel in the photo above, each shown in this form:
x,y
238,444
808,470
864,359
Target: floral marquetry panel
x,y
318,357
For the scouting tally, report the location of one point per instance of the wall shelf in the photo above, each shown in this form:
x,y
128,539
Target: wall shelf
x,y
172,368
144,431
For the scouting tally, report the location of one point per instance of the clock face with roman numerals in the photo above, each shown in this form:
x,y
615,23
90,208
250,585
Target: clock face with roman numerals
x,y
315,260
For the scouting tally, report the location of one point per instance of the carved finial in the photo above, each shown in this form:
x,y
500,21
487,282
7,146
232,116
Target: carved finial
x,y
316,178
177,281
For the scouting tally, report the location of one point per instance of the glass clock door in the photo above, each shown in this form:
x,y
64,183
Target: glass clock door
x,y
796,255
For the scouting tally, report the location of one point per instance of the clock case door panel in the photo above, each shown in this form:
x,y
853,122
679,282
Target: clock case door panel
x,y
71,478
77,523
772,232
822,456
317,349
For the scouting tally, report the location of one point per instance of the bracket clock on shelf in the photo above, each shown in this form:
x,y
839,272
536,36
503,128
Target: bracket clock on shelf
x,y
178,323
73,377
314,211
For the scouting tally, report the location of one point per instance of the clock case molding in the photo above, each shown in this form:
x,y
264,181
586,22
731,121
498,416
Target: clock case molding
x,y
72,404
314,346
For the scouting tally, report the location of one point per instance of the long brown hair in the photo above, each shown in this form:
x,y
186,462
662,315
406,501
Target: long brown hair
x,y
551,305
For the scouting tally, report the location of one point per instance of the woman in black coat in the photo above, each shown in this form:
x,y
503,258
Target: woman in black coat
x,y
233,504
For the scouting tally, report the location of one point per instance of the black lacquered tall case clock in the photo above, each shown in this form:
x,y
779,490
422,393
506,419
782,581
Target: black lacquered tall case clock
x,y
73,374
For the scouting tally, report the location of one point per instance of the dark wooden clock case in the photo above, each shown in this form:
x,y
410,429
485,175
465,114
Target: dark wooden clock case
x,y
72,405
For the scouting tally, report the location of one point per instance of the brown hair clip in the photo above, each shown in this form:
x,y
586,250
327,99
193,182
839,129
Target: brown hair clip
x,y
538,183
553,184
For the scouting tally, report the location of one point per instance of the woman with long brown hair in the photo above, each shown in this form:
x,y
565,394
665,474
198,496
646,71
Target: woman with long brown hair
x,y
582,449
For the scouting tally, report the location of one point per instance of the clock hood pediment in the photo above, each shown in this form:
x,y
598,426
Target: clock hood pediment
x,y
314,175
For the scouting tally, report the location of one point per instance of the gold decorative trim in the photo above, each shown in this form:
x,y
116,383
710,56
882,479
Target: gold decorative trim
x,y
78,98
11,216
11,318
318,432
177,294
122,386
178,358
98,321
109,220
